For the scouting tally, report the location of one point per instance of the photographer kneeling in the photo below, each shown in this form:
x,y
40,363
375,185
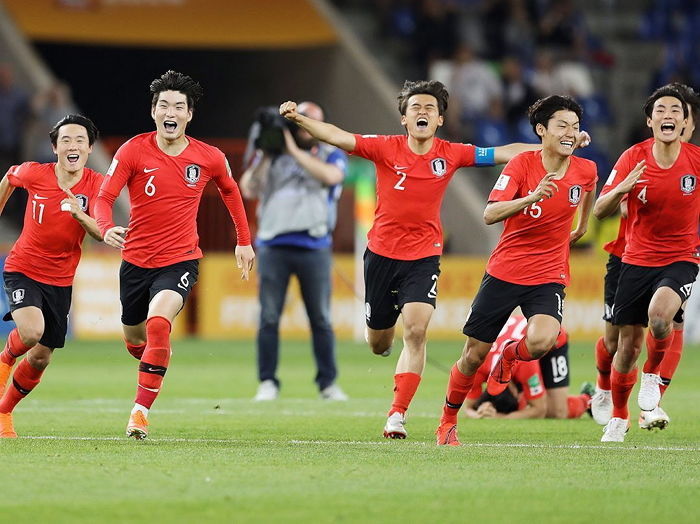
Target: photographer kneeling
x,y
298,182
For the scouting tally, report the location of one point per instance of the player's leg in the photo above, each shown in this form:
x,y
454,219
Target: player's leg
x,y
555,375
493,304
381,302
672,356
313,269
134,284
274,271
542,305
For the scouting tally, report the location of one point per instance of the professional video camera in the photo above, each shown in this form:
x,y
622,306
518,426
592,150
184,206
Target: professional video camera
x,y
270,138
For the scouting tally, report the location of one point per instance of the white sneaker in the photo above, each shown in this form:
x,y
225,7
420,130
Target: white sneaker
x,y
649,392
333,392
656,418
601,406
267,390
615,430
394,427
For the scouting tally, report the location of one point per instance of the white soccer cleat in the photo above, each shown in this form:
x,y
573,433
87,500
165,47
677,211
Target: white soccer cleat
x,y
654,419
333,392
615,430
394,427
267,391
601,406
649,392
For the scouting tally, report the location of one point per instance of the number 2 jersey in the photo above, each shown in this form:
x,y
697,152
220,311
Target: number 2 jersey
x,y
165,192
410,189
48,249
534,246
663,208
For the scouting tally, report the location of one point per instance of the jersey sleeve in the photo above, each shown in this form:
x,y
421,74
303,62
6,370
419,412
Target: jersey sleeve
x,y
619,172
21,175
94,192
529,375
115,179
371,147
592,172
467,156
231,195
509,181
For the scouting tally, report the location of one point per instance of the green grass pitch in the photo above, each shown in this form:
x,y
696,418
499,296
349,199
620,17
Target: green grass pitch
x,y
213,455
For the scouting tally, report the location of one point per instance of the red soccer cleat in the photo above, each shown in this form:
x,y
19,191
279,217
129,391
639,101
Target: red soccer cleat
x,y
447,434
7,430
499,377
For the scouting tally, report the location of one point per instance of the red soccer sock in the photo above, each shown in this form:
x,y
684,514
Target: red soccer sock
x,y
24,380
603,362
577,405
154,362
622,384
405,387
457,390
672,357
14,348
517,351
656,347
136,351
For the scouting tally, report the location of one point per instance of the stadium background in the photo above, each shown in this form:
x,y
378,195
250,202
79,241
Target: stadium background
x,y
351,56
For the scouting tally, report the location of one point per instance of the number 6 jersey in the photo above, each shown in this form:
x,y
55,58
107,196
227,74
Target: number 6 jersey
x,y
663,208
164,192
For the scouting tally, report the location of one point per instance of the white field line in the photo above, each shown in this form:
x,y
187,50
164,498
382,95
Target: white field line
x,y
524,445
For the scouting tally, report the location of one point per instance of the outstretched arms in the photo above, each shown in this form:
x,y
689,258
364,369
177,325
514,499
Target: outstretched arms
x,y
321,130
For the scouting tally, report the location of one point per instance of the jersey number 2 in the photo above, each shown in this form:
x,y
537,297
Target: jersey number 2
x,y
401,180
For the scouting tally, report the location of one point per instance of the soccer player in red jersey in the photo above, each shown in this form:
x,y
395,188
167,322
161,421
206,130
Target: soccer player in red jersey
x,y
165,171
41,265
538,388
660,263
537,195
402,261
601,405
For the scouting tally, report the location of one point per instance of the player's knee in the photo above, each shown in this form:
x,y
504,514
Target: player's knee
x,y
135,340
611,345
40,360
473,360
415,333
539,344
30,336
659,327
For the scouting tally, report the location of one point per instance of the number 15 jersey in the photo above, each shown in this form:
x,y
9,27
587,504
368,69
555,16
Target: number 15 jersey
x,y
165,192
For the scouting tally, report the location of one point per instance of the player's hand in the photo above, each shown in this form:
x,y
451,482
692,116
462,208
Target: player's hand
x,y
486,410
116,237
545,189
583,140
289,111
70,203
245,259
576,235
631,180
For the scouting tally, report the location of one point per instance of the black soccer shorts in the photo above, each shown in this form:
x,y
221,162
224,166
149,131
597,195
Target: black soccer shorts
x,y
496,300
391,283
555,367
138,286
638,284
53,301
612,276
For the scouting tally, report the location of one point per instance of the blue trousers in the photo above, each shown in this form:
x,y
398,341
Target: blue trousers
x,y
312,267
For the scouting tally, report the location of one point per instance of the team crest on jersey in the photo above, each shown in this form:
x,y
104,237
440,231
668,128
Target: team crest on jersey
x,y
575,194
439,166
192,173
688,183
83,201
17,296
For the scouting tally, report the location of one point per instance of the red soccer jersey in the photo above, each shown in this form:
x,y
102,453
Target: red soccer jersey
x,y
534,246
165,192
526,374
410,189
48,250
662,209
617,247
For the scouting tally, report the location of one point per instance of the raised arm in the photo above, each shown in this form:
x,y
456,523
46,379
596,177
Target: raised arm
x,y
323,131
499,211
503,154
608,203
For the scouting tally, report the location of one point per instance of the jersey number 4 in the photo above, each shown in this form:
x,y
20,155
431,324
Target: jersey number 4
x,y
643,195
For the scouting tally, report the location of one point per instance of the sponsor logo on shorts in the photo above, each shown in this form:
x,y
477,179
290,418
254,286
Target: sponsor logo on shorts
x,y
687,289
575,194
17,296
192,173
688,184
439,166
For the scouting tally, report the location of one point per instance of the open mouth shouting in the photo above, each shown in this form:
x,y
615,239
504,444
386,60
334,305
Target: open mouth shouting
x,y
569,144
170,126
73,158
667,128
422,123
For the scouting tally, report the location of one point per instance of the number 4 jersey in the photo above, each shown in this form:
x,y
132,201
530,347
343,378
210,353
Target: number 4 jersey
x,y
663,207
534,246
48,250
164,192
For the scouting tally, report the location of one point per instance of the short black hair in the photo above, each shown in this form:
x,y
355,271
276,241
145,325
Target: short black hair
x,y
691,98
504,402
174,81
541,111
423,87
667,90
91,128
